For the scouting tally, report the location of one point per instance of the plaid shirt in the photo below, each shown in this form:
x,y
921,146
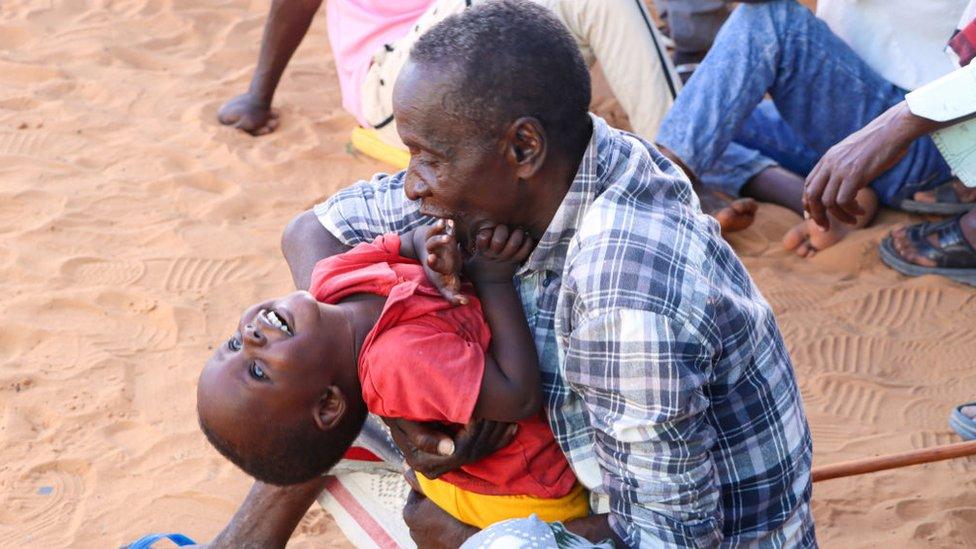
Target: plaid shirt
x,y
668,384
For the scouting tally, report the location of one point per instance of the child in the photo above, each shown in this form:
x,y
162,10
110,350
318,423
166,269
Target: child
x,y
284,398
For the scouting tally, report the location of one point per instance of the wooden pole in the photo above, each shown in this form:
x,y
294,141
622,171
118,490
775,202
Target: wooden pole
x,y
894,461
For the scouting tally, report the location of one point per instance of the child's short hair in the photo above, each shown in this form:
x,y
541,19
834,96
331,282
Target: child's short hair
x,y
288,454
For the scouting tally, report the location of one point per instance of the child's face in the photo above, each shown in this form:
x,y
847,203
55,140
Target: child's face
x,y
272,370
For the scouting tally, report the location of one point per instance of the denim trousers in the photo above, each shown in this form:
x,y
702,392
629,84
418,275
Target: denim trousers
x,y
725,132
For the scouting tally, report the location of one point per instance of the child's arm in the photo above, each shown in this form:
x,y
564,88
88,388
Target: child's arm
x,y
511,388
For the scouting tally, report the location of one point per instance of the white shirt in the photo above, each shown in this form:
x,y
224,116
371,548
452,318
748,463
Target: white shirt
x,y
903,40
948,98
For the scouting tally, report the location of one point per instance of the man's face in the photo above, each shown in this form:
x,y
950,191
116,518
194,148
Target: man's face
x,y
270,371
457,171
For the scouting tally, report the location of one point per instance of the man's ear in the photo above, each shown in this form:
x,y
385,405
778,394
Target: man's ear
x,y
330,408
526,146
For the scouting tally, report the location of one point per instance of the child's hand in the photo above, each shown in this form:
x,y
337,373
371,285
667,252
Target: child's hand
x,y
499,252
444,261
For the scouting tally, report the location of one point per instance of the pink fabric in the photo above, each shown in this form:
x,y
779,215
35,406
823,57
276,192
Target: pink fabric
x,y
357,30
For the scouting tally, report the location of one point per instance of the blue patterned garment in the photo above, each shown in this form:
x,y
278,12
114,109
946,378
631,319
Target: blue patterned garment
x,y
668,384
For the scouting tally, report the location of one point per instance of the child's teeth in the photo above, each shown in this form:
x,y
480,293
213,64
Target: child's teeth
x,y
278,322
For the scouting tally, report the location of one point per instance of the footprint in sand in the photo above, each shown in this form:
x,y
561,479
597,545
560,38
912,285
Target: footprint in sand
x,y
108,321
847,398
833,438
94,271
139,211
32,144
951,350
848,354
926,413
199,274
891,307
43,502
21,103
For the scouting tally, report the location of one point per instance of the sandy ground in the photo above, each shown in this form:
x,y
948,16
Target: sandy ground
x,y
133,229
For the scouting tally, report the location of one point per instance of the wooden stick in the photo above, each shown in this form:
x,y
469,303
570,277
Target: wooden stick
x,y
894,461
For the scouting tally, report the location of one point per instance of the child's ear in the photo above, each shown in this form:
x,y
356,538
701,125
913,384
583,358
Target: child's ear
x,y
330,408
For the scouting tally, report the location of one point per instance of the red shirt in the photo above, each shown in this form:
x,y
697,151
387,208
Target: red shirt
x,y
424,361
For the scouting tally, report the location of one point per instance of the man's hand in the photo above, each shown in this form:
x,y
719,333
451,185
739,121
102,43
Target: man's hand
x,y
433,452
855,162
248,113
498,254
444,261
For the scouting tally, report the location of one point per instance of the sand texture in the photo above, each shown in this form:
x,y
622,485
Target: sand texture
x,y
134,229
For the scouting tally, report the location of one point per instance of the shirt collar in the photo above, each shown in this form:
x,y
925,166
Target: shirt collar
x,y
550,253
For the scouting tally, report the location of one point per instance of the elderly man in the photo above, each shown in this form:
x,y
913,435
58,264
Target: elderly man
x,y
667,382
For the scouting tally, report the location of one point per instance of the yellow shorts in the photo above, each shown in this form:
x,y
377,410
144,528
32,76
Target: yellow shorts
x,y
481,511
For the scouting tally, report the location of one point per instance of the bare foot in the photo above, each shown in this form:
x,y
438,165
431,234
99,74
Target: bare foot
x,y
737,215
733,214
964,193
807,238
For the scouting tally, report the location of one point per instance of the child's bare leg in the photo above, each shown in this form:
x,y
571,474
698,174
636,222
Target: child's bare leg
x,y
778,186
807,238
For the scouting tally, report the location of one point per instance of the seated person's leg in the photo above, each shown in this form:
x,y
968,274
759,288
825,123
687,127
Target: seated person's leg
x,y
765,162
766,132
781,48
782,184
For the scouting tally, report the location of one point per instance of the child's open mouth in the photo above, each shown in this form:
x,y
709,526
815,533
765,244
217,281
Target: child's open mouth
x,y
275,320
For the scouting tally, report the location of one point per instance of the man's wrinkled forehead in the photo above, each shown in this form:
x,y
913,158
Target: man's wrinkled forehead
x,y
424,106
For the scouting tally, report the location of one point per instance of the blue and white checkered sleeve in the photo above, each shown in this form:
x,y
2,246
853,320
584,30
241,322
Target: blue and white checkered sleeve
x,y
367,209
641,377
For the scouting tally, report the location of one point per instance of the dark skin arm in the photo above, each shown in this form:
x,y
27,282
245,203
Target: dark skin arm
x,y
511,387
859,159
268,516
288,21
